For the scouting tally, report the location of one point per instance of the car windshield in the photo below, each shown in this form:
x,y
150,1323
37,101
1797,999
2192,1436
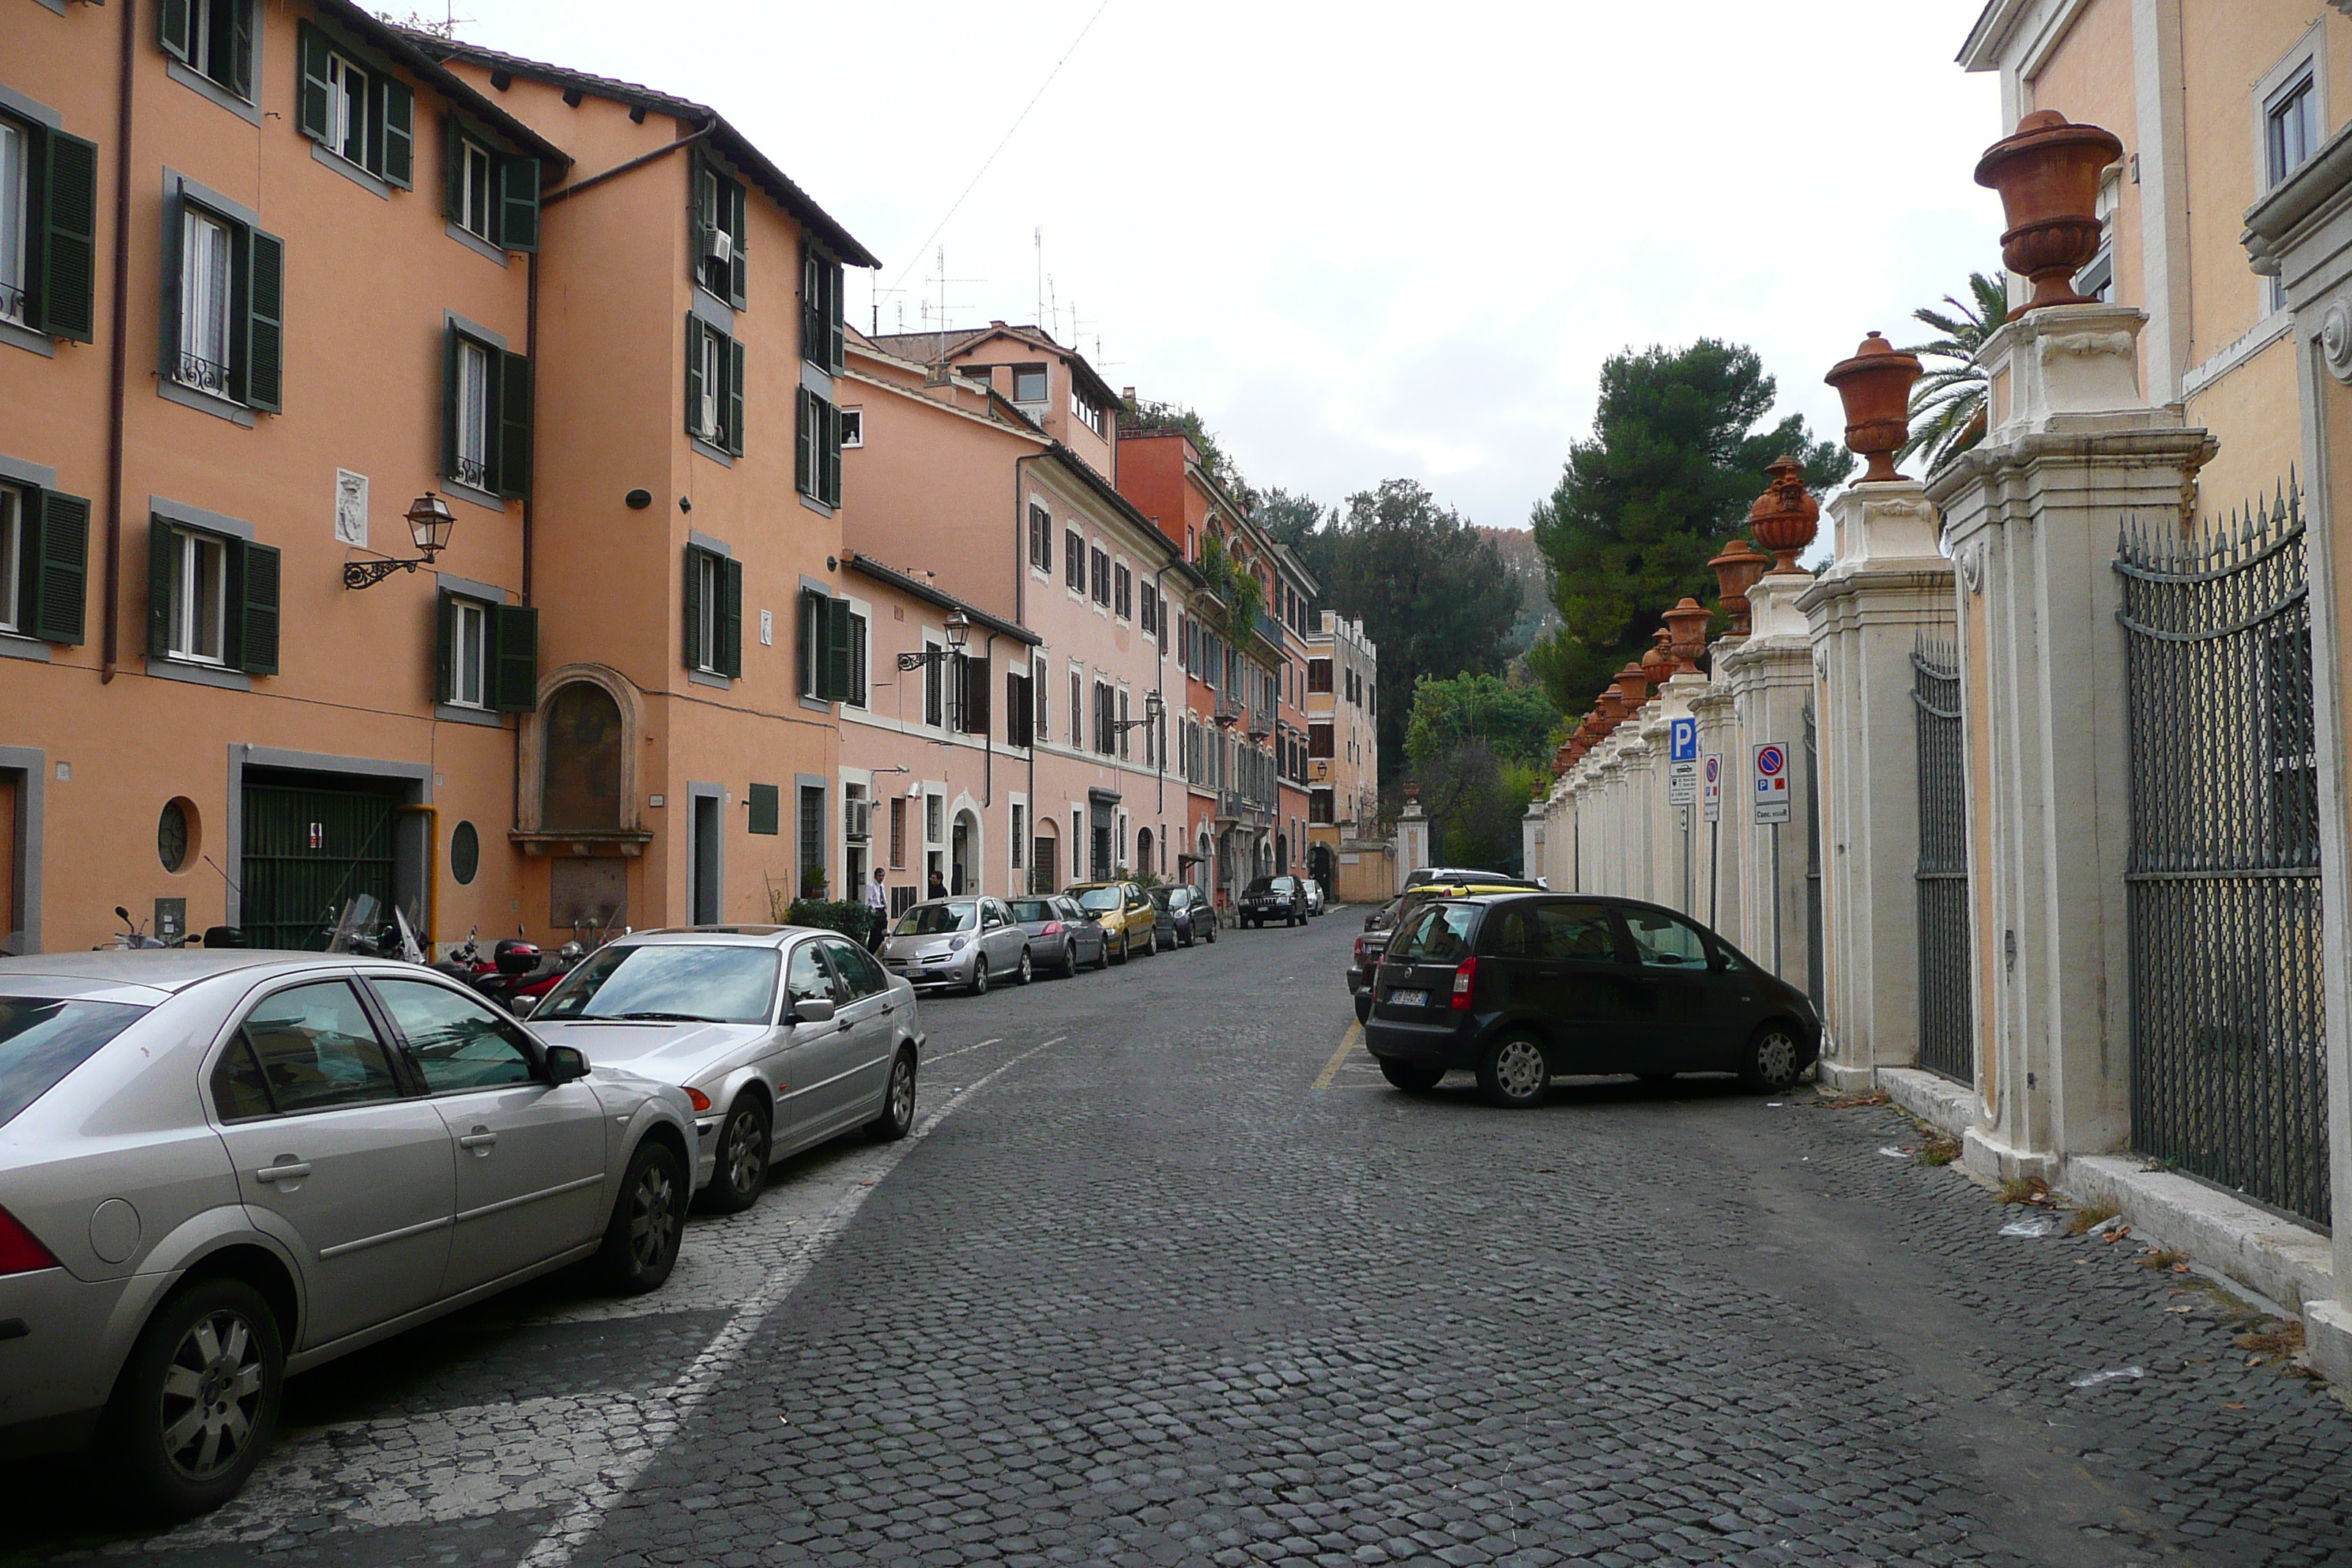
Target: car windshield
x,y
1260,885
1032,911
42,1038
1440,935
937,920
1100,901
673,983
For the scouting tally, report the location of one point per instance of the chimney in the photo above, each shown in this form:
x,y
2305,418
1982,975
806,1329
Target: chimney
x,y
1127,394
996,323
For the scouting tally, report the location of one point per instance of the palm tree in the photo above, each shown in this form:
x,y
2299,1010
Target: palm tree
x,y
1947,404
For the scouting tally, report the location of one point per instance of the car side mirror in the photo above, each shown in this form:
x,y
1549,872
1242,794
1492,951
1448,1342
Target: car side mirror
x,y
521,1006
813,1010
565,1064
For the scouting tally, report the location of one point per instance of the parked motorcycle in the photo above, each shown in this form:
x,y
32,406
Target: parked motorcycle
x,y
133,936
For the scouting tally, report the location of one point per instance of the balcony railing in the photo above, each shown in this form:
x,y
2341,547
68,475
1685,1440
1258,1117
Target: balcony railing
x,y
12,303
1229,709
203,374
473,471
1261,724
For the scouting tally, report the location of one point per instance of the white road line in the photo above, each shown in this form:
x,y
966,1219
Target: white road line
x,y
944,1056
673,1407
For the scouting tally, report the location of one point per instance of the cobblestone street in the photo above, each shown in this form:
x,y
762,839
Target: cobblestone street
x,y
1170,1276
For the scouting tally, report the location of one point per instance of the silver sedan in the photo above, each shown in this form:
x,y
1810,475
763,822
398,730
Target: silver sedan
x,y
969,942
220,1168
783,1037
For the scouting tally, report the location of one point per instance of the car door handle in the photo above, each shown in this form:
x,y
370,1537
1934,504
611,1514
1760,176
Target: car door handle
x,y
480,1138
289,1171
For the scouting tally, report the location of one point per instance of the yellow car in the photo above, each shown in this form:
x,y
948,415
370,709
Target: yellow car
x,y
1125,912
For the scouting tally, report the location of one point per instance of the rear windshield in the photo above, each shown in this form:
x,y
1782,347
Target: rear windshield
x,y
675,982
1031,911
42,1038
937,920
1440,935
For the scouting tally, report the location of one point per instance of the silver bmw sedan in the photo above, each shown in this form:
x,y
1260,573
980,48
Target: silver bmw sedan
x,y
220,1168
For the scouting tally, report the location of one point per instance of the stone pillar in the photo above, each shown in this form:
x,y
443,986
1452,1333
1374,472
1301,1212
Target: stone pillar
x,y
1887,585
1531,841
1771,674
1411,841
2032,515
1717,844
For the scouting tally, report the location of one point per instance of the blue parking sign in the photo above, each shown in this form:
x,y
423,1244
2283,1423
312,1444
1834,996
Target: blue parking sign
x,y
1685,740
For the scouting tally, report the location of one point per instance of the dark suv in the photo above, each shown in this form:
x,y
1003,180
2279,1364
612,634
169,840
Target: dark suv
x,y
1274,899
1521,987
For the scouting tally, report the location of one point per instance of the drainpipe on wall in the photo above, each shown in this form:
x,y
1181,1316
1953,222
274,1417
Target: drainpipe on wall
x,y
110,640
531,485
1021,619
987,741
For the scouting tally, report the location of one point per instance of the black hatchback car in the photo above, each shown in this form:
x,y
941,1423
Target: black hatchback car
x,y
1524,987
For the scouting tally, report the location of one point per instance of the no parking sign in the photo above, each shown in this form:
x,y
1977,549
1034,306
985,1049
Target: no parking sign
x,y
1771,777
1710,778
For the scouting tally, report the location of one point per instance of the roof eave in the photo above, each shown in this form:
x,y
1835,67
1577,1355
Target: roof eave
x,y
870,567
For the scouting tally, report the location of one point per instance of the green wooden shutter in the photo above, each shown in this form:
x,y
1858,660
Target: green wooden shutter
x,y
761,798
514,644
518,203
255,568
693,641
398,128
445,642
514,424
698,218
175,234
813,328
265,314
804,459
829,474
839,651
172,28
449,402
730,618
162,567
734,400
240,49
693,376
738,225
67,273
310,84
835,325
56,569
453,162
977,676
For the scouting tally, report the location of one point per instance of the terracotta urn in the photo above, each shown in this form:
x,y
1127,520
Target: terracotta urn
x,y
1687,634
2048,176
1785,518
1606,711
1875,386
1737,570
1633,688
1658,665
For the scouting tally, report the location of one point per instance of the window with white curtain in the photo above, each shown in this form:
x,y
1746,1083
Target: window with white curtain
x,y
347,115
199,617
206,301
469,632
473,414
11,551
15,149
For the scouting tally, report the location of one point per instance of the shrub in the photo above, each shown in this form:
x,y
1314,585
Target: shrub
x,y
850,918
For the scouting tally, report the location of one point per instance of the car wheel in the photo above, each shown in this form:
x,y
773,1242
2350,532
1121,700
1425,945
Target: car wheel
x,y
1364,1008
1769,1065
197,1400
979,975
641,1239
897,1118
742,1168
1027,973
1212,937
1413,1077
1513,1073
1070,958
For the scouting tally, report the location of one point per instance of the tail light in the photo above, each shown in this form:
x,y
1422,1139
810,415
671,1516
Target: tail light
x,y
700,1101
1360,950
1465,980
20,1251
1053,928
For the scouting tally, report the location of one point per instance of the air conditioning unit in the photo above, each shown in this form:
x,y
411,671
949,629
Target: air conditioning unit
x,y
858,820
718,245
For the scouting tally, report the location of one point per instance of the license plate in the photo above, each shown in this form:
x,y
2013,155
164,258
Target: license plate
x,y
1408,999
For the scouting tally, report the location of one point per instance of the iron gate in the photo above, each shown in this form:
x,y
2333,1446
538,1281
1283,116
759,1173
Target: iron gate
x,y
1812,860
1947,1032
2228,1073
306,851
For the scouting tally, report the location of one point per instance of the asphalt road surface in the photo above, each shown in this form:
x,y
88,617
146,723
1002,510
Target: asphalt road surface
x,y
1169,1276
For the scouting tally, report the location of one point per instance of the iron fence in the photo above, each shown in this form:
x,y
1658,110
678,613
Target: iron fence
x,y
1947,1021
2229,1071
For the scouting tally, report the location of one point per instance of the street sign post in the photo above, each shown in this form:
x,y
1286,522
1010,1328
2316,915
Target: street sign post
x,y
1770,775
1710,778
1682,784
1683,741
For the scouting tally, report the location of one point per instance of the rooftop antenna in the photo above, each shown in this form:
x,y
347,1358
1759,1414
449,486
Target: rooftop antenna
x,y
942,279
1038,238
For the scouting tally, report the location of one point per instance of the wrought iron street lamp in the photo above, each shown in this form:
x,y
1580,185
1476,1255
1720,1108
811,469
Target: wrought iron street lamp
x,y
430,523
959,633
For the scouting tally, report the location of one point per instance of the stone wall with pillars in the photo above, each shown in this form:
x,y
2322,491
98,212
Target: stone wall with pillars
x,y
1770,676
1886,586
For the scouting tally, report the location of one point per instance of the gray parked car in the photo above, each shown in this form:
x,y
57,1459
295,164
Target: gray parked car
x,y
1062,936
968,941
772,1068
220,1168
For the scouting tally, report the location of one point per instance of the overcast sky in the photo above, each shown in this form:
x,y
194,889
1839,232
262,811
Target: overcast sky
x,y
1364,240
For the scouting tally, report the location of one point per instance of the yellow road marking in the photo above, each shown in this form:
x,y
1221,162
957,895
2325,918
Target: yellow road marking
x,y
1347,1042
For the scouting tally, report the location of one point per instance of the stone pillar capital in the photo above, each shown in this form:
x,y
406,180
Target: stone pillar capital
x,y
2062,365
